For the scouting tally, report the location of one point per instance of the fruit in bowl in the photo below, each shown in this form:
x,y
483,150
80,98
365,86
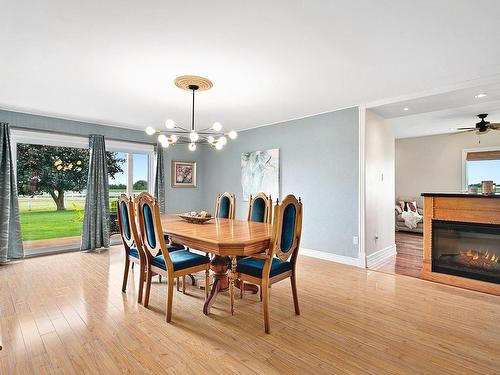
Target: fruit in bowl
x,y
196,217
201,214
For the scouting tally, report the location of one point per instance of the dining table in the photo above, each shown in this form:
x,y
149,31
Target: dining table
x,y
226,240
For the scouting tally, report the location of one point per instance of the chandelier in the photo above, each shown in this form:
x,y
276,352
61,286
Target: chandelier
x,y
176,134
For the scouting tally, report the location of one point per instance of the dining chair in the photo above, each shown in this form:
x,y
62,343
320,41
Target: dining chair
x,y
279,262
225,206
128,232
170,245
259,208
159,261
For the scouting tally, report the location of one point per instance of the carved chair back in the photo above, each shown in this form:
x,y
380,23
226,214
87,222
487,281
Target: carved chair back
x,y
287,228
259,208
225,207
128,226
151,229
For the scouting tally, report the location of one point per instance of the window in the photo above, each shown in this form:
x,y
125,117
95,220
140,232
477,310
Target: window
x,y
481,165
140,173
52,182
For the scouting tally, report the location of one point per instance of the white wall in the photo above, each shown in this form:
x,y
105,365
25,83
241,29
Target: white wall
x,y
380,190
434,163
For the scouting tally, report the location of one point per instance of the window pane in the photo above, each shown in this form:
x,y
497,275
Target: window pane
x,y
52,183
483,170
117,171
140,181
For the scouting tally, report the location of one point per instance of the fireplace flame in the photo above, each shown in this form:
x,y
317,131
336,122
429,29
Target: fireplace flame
x,y
476,255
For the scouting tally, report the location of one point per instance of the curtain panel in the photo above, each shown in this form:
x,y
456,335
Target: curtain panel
x,y
160,179
95,233
11,243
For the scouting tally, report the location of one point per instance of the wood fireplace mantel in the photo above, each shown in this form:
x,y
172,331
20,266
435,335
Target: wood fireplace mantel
x,y
459,207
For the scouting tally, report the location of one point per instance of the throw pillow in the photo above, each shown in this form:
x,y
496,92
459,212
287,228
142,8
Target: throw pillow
x,y
412,206
408,206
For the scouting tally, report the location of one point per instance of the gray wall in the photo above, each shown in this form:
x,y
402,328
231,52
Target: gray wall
x,y
186,199
36,122
318,162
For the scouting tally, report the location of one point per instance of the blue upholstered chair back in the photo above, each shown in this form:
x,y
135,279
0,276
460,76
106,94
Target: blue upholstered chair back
x,y
287,227
258,210
149,222
124,221
224,207
149,226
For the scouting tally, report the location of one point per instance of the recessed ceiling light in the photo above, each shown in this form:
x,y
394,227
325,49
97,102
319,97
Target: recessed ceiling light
x,y
480,95
406,109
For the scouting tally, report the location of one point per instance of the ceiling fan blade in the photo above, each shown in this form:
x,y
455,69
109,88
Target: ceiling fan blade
x,y
463,131
466,128
495,125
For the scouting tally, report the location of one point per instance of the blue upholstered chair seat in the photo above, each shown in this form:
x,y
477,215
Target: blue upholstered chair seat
x,y
133,252
181,259
254,267
175,247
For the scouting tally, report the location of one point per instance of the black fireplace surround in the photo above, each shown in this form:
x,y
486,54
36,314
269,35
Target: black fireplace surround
x,y
466,249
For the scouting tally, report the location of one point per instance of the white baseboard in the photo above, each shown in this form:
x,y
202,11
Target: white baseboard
x,y
380,256
331,257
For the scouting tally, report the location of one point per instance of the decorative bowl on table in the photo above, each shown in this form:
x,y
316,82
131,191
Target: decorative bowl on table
x,y
196,217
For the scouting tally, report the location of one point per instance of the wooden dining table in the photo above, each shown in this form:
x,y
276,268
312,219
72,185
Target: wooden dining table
x,y
226,239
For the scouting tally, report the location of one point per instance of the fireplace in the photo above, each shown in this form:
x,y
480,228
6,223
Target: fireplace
x,y
470,250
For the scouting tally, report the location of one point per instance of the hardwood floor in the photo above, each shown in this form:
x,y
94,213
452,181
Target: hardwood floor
x,y
408,260
66,314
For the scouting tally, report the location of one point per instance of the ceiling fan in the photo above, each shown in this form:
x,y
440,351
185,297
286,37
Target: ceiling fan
x,y
482,127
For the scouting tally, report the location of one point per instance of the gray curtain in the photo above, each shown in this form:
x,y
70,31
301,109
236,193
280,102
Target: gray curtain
x,y
160,179
95,232
11,242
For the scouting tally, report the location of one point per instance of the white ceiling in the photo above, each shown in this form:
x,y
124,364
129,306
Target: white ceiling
x,y
443,112
114,62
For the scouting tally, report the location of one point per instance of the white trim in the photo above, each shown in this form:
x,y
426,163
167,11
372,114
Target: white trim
x,y
130,174
361,186
49,139
380,256
464,158
331,257
129,147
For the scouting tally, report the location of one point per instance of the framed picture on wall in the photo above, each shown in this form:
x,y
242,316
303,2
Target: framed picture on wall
x,y
260,172
183,173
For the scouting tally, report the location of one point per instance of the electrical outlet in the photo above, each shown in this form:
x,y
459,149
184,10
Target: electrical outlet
x,y
355,240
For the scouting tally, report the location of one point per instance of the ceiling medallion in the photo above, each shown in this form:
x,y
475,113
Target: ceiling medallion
x,y
174,133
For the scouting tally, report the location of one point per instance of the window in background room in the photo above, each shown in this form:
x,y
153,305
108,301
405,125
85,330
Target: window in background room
x,y
482,166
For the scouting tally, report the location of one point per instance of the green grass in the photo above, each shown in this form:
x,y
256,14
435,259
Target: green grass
x,y
42,225
41,221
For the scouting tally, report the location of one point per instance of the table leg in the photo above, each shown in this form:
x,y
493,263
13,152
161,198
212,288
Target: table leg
x,y
219,265
211,298
232,280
